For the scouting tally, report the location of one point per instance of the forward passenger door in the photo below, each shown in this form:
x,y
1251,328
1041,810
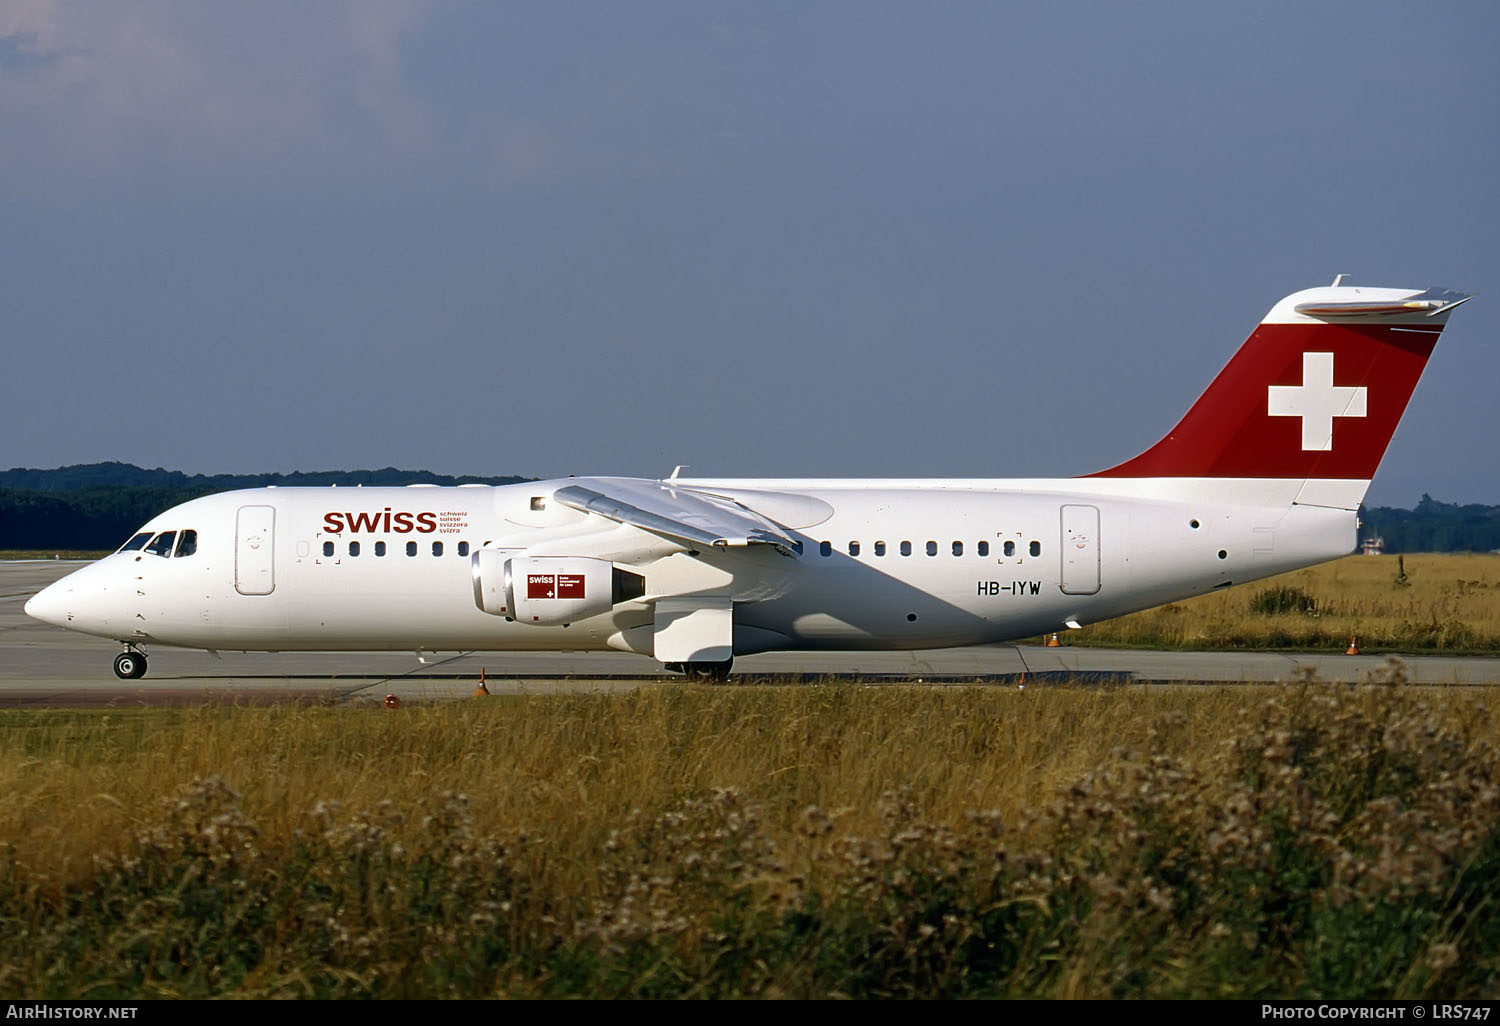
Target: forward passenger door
x,y
254,550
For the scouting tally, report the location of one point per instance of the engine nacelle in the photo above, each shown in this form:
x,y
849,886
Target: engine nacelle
x,y
488,567
542,590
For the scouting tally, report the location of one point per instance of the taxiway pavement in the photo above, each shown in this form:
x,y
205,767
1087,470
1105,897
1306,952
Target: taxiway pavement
x,y
48,666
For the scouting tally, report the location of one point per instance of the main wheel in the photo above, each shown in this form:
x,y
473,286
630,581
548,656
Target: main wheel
x,y
130,666
715,672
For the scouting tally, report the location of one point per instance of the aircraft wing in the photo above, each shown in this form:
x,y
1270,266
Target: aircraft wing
x,y
669,509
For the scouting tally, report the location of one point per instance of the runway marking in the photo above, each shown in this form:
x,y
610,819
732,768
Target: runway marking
x,y
412,674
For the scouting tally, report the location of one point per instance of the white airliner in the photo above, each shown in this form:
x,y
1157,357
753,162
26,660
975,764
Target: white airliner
x,y
1264,474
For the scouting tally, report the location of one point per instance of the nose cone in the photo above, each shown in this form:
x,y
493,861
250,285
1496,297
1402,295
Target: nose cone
x,y
50,604
94,600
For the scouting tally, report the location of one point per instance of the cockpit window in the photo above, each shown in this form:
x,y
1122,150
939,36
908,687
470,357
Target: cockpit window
x,y
161,545
137,543
187,544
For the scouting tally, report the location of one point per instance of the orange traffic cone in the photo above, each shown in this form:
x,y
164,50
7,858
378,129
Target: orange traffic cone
x,y
1353,648
1052,642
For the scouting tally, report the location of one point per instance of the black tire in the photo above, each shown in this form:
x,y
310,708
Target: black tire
x,y
130,666
715,673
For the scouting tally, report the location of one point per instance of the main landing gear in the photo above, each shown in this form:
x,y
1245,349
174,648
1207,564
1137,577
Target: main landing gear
x,y
712,673
130,665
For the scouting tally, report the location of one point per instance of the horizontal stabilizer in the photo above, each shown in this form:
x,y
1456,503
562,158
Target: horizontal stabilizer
x,y
1429,304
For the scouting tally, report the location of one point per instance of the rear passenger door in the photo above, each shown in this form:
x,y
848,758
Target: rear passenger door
x,y
1080,550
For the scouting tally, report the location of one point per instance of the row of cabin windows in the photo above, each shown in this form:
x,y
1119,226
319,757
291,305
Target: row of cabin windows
x,y
824,548
166,544
411,548
983,548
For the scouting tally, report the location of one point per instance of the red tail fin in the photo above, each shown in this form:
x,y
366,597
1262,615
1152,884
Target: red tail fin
x,y
1315,392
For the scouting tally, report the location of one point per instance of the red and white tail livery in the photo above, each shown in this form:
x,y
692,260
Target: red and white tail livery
x,y
1263,474
1315,393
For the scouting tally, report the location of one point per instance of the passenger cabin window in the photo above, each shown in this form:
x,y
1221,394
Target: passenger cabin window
x,y
187,544
880,548
958,548
411,548
161,545
796,546
906,548
1010,548
825,548
380,548
1036,548
354,548
137,543
854,548
984,548
437,548
328,548
932,548
463,548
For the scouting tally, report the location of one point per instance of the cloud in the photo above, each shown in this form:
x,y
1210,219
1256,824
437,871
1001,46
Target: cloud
x,y
93,88
281,91
377,28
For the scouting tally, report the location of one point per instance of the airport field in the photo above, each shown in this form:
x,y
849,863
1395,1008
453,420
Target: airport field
x,y
30,554
1447,602
825,840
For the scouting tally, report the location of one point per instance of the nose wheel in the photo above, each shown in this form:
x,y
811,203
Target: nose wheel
x,y
130,665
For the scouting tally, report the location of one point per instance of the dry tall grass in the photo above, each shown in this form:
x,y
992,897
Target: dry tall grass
x,y
803,841
74,785
1416,603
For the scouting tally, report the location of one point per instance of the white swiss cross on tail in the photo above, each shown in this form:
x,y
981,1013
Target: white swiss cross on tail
x,y
1317,401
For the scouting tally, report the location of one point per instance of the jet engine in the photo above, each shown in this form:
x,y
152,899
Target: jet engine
x,y
549,590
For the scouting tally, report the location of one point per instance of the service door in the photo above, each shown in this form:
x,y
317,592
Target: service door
x,y
1080,550
255,535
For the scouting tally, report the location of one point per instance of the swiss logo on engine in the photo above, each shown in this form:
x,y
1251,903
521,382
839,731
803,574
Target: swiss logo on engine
x,y
554,586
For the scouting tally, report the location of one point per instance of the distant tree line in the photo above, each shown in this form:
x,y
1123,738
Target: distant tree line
x,y
98,506
1434,527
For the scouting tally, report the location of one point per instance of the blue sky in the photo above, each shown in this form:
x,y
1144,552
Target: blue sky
x,y
779,239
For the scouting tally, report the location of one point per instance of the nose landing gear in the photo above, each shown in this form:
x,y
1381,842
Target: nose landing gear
x,y
130,665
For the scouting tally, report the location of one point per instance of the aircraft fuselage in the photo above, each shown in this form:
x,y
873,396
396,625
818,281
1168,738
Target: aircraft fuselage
x,y
887,565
